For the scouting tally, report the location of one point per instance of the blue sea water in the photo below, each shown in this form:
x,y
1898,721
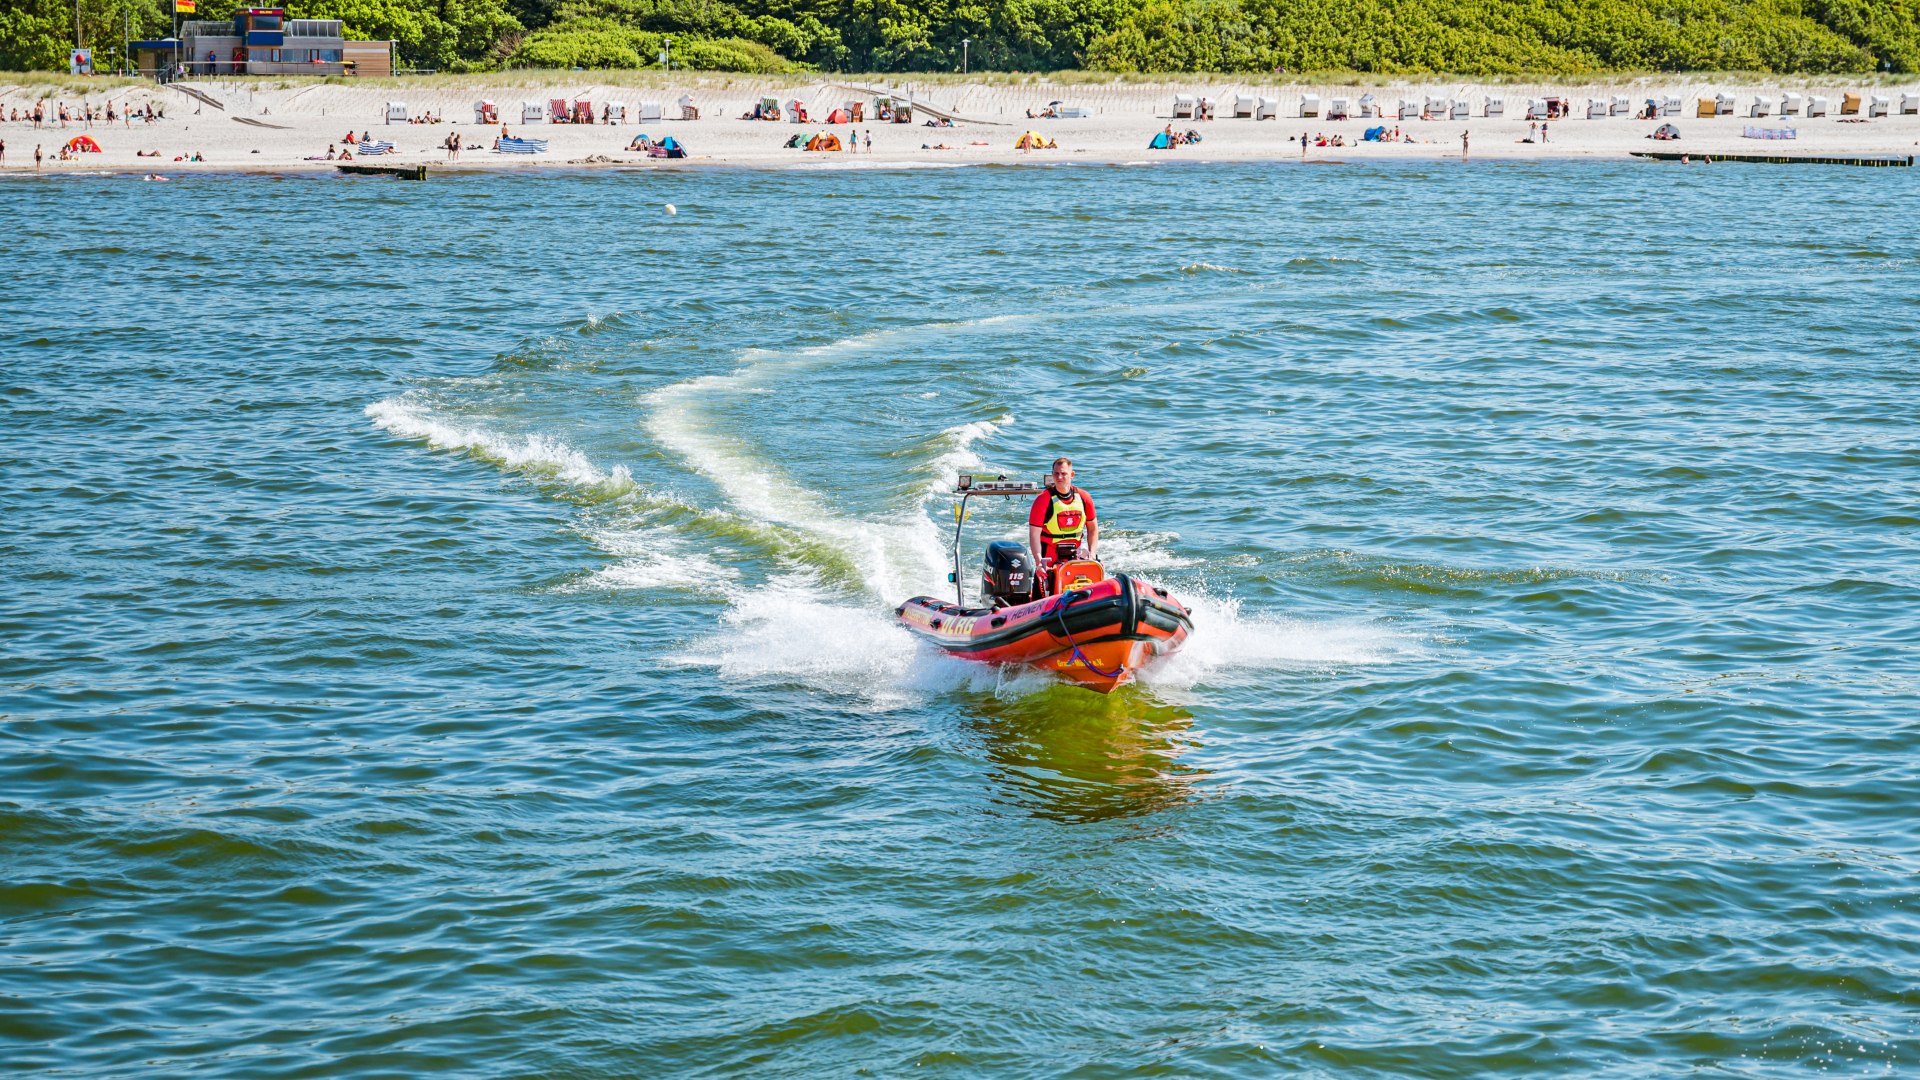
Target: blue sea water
x,y
448,625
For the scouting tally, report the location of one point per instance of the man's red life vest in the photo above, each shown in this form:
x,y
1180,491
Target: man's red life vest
x,y
1061,517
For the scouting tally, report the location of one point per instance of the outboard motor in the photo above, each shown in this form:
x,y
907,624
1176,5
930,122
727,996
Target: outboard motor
x,y
1008,574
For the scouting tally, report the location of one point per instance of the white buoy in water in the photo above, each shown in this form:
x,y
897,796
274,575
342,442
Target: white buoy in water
x,y
671,211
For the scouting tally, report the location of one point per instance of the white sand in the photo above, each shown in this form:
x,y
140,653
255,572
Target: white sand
x,y
274,125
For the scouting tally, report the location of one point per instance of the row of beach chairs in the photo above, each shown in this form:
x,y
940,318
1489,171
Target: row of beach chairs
x,y
1368,107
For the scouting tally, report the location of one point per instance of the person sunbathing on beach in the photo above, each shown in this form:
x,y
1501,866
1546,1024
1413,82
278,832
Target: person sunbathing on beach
x,y
330,153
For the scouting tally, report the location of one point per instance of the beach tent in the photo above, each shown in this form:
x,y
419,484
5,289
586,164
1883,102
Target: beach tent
x,y
396,112
1761,107
1373,134
1495,106
1666,132
531,112
82,144
1033,140
1160,142
649,111
668,147
1183,106
1849,104
839,116
1876,105
1309,105
824,141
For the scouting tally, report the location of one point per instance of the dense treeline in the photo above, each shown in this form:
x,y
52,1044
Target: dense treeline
x,y
1385,36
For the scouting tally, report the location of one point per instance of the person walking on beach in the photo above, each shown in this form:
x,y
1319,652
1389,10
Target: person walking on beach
x,y
1463,146
1303,144
1543,131
36,155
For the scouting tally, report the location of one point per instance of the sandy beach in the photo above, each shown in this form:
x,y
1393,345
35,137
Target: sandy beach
x,y
282,125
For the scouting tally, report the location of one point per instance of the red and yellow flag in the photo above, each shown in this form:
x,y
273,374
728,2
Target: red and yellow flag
x,y
183,7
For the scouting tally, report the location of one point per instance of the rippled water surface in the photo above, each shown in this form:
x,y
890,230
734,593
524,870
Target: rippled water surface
x,y
448,625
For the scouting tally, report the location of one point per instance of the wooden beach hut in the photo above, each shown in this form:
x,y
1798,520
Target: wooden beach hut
x,y
1369,107
1408,109
531,112
396,112
650,112
1337,108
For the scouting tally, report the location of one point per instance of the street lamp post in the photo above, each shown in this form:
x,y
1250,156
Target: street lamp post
x,y
668,55
964,44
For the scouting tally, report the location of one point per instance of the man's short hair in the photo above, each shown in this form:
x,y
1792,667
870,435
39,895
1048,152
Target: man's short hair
x,y
1059,461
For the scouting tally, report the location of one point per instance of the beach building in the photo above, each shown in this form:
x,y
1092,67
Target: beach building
x,y
263,41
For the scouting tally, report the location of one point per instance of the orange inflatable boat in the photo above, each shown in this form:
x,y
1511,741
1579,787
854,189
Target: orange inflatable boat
x,y
1082,625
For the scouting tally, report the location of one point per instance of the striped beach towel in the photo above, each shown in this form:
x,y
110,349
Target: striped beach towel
x,y
375,148
522,146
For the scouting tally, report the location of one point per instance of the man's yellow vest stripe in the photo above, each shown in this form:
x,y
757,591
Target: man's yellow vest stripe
x,y
1066,518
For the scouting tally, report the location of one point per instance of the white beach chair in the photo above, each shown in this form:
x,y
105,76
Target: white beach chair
x,y
1723,104
688,110
1669,106
396,112
1268,109
649,111
1244,105
1495,106
1816,106
1909,104
1408,109
1596,109
1876,105
1460,110
1183,106
532,112
1536,108
1310,105
1369,107
1761,107
1790,104
1620,106
1434,107
1338,109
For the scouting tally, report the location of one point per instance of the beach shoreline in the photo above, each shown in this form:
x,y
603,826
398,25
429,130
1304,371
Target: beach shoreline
x,y
280,126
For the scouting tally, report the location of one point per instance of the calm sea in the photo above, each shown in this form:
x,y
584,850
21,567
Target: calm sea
x,y
447,625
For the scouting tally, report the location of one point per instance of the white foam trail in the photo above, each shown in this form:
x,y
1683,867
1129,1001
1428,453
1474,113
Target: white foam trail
x,y
1140,553
652,559
897,556
532,454
1225,639
788,631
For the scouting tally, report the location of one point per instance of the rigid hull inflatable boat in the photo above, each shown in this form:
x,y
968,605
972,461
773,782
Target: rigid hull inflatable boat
x,y
1074,621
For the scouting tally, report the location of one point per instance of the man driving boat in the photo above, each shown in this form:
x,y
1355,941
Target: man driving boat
x,y
1062,514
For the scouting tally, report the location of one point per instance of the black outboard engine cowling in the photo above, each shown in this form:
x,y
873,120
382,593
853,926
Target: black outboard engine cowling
x,y
1008,574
